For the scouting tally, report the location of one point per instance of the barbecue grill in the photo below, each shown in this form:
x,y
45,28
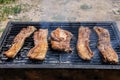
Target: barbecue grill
x,y
57,59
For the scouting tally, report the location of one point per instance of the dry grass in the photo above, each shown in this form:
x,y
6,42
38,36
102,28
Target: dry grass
x,y
6,1
5,11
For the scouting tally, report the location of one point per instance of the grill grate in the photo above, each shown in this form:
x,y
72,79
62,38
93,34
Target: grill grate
x,y
56,59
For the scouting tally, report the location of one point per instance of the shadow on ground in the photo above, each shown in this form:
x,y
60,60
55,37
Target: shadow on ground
x,y
58,74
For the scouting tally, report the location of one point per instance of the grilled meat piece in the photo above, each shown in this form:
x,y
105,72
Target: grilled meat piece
x,y
38,52
60,40
83,43
19,41
104,46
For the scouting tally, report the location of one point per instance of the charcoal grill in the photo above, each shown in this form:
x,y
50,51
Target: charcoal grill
x,y
56,59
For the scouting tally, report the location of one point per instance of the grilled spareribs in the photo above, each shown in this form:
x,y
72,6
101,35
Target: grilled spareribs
x,y
60,40
19,41
83,48
105,47
38,52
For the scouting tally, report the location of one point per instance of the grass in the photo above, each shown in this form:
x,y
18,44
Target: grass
x,y
6,1
85,7
1,30
5,11
118,11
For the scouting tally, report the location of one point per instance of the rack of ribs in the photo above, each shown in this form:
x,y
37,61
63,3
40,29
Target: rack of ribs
x,y
19,41
83,43
60,40
104,46
38,52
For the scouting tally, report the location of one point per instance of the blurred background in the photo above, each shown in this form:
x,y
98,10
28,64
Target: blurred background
x,y
58,10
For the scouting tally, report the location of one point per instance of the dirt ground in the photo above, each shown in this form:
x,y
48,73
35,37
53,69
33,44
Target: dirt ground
x,y
70,10
65,10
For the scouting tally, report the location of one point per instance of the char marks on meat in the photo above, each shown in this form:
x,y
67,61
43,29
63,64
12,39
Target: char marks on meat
x,y
38,52
60,40
104,46
83,43
19,41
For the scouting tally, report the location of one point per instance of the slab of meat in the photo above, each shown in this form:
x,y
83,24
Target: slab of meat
x,y
83,43
60,40
19,41
108,53
38,52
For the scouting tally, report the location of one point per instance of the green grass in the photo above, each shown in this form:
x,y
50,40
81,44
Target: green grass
x,y
6,1
85,7
1,30
11,10
5,11
118,11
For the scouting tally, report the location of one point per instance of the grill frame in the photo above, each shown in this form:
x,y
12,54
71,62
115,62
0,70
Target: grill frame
x,y
84,66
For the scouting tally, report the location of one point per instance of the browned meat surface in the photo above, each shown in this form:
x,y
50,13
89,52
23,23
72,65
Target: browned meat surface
x,y
60,40
19,41
108,53
83,43
38,52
